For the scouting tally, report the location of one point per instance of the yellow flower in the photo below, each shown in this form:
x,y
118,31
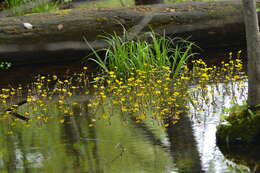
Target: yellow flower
x,y
124,109
61,101
176,93
54,77
157,92
141,116
159,81
105,116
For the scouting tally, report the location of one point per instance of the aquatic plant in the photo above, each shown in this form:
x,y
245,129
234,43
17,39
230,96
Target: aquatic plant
x,y
154,94
143,96
126,56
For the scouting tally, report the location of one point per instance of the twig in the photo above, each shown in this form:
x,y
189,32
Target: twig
x,y
13,108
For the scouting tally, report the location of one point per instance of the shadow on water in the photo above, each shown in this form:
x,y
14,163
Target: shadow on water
x,y
247,155
183,146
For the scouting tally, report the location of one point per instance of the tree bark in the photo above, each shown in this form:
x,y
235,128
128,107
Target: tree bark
x,y
253,51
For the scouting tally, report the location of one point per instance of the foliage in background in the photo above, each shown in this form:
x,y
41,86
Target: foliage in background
x,y
37,6
54,5
14,3
5,65
46,7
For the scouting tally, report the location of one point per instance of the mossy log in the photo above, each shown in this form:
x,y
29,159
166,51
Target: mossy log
x,y
209,24
243,127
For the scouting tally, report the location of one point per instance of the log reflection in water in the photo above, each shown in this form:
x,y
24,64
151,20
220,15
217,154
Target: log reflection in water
x,y
85,152
72,138
93,144
11,161
149,134
183,146
24,152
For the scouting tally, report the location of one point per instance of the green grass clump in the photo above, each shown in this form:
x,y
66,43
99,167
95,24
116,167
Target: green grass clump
x,y
126,56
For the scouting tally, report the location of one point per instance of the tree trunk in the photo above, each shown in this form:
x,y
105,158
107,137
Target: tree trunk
x,y
147,2
253,51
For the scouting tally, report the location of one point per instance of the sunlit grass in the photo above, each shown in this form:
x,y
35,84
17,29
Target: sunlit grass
x,y
17,7
48,7
127,56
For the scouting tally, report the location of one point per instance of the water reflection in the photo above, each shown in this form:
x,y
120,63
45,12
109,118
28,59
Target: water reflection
x,y
183,146
82,142
76,146
206,120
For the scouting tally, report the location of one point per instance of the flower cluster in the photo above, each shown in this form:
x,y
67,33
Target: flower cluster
x,y
154,95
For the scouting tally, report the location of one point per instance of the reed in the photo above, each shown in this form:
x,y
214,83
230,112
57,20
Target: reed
x,y
126,56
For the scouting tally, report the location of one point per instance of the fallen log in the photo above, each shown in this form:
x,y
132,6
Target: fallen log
x,y
58,36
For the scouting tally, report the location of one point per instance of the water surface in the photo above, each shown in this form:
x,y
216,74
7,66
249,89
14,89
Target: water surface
x,y
83,142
